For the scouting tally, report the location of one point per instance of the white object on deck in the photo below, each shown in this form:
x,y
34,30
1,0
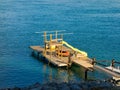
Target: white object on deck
x,y
117,70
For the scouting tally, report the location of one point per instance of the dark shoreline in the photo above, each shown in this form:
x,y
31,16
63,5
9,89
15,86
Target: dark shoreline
x,y
83,85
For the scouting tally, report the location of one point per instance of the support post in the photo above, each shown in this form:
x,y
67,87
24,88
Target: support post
x,y
75,54
69,60
86,74
56,50
61,52
61,38
45,39
113,63
93,61
61,44
50,45
56,36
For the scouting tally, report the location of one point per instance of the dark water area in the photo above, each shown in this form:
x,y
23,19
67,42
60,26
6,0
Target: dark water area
x,y
95,25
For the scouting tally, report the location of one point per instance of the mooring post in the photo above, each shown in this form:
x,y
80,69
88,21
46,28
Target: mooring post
x,y
93,61
50,45
69,61
86,72
113,63
45,39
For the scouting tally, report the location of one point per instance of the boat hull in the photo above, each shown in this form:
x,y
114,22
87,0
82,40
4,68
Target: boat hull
x,y
117,70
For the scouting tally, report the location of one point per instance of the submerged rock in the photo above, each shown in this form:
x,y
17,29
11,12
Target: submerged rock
x,y
86,85
75,87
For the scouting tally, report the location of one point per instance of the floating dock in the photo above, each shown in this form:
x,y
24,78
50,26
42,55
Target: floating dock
x,y
61,54
56,61
63,61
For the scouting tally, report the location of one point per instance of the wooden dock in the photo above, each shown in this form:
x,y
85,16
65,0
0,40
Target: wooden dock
x,y
53,50
56,61
63,61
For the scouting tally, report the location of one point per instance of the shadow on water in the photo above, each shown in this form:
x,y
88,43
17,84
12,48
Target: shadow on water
x,y
91,75
75,73
78,70
62,74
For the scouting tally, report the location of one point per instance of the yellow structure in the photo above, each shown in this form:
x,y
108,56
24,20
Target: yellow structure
x,y
75,49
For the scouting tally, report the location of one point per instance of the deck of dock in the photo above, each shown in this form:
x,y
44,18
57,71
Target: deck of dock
x,y
84,62
57,61
63,61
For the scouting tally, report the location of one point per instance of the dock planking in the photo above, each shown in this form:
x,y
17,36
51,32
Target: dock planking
x,y
84,63
63,61
37,48
57,61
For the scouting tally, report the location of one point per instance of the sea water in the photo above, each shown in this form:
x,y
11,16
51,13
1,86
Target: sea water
x,y
95,25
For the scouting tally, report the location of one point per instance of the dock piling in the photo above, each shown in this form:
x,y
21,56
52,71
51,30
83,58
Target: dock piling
x,y
45,39
69,60
93,61
86,74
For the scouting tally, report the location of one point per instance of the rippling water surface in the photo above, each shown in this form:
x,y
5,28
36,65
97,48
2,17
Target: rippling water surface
x,y
96,28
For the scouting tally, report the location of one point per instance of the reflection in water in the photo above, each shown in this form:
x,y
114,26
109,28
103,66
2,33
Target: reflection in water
x,y
79,71
61,74
75,73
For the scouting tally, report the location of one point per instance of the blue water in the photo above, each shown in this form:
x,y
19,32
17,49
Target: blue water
x,y
96,28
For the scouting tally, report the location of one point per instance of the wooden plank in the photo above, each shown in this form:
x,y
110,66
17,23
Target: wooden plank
x,y
37,48
56,61
84,62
